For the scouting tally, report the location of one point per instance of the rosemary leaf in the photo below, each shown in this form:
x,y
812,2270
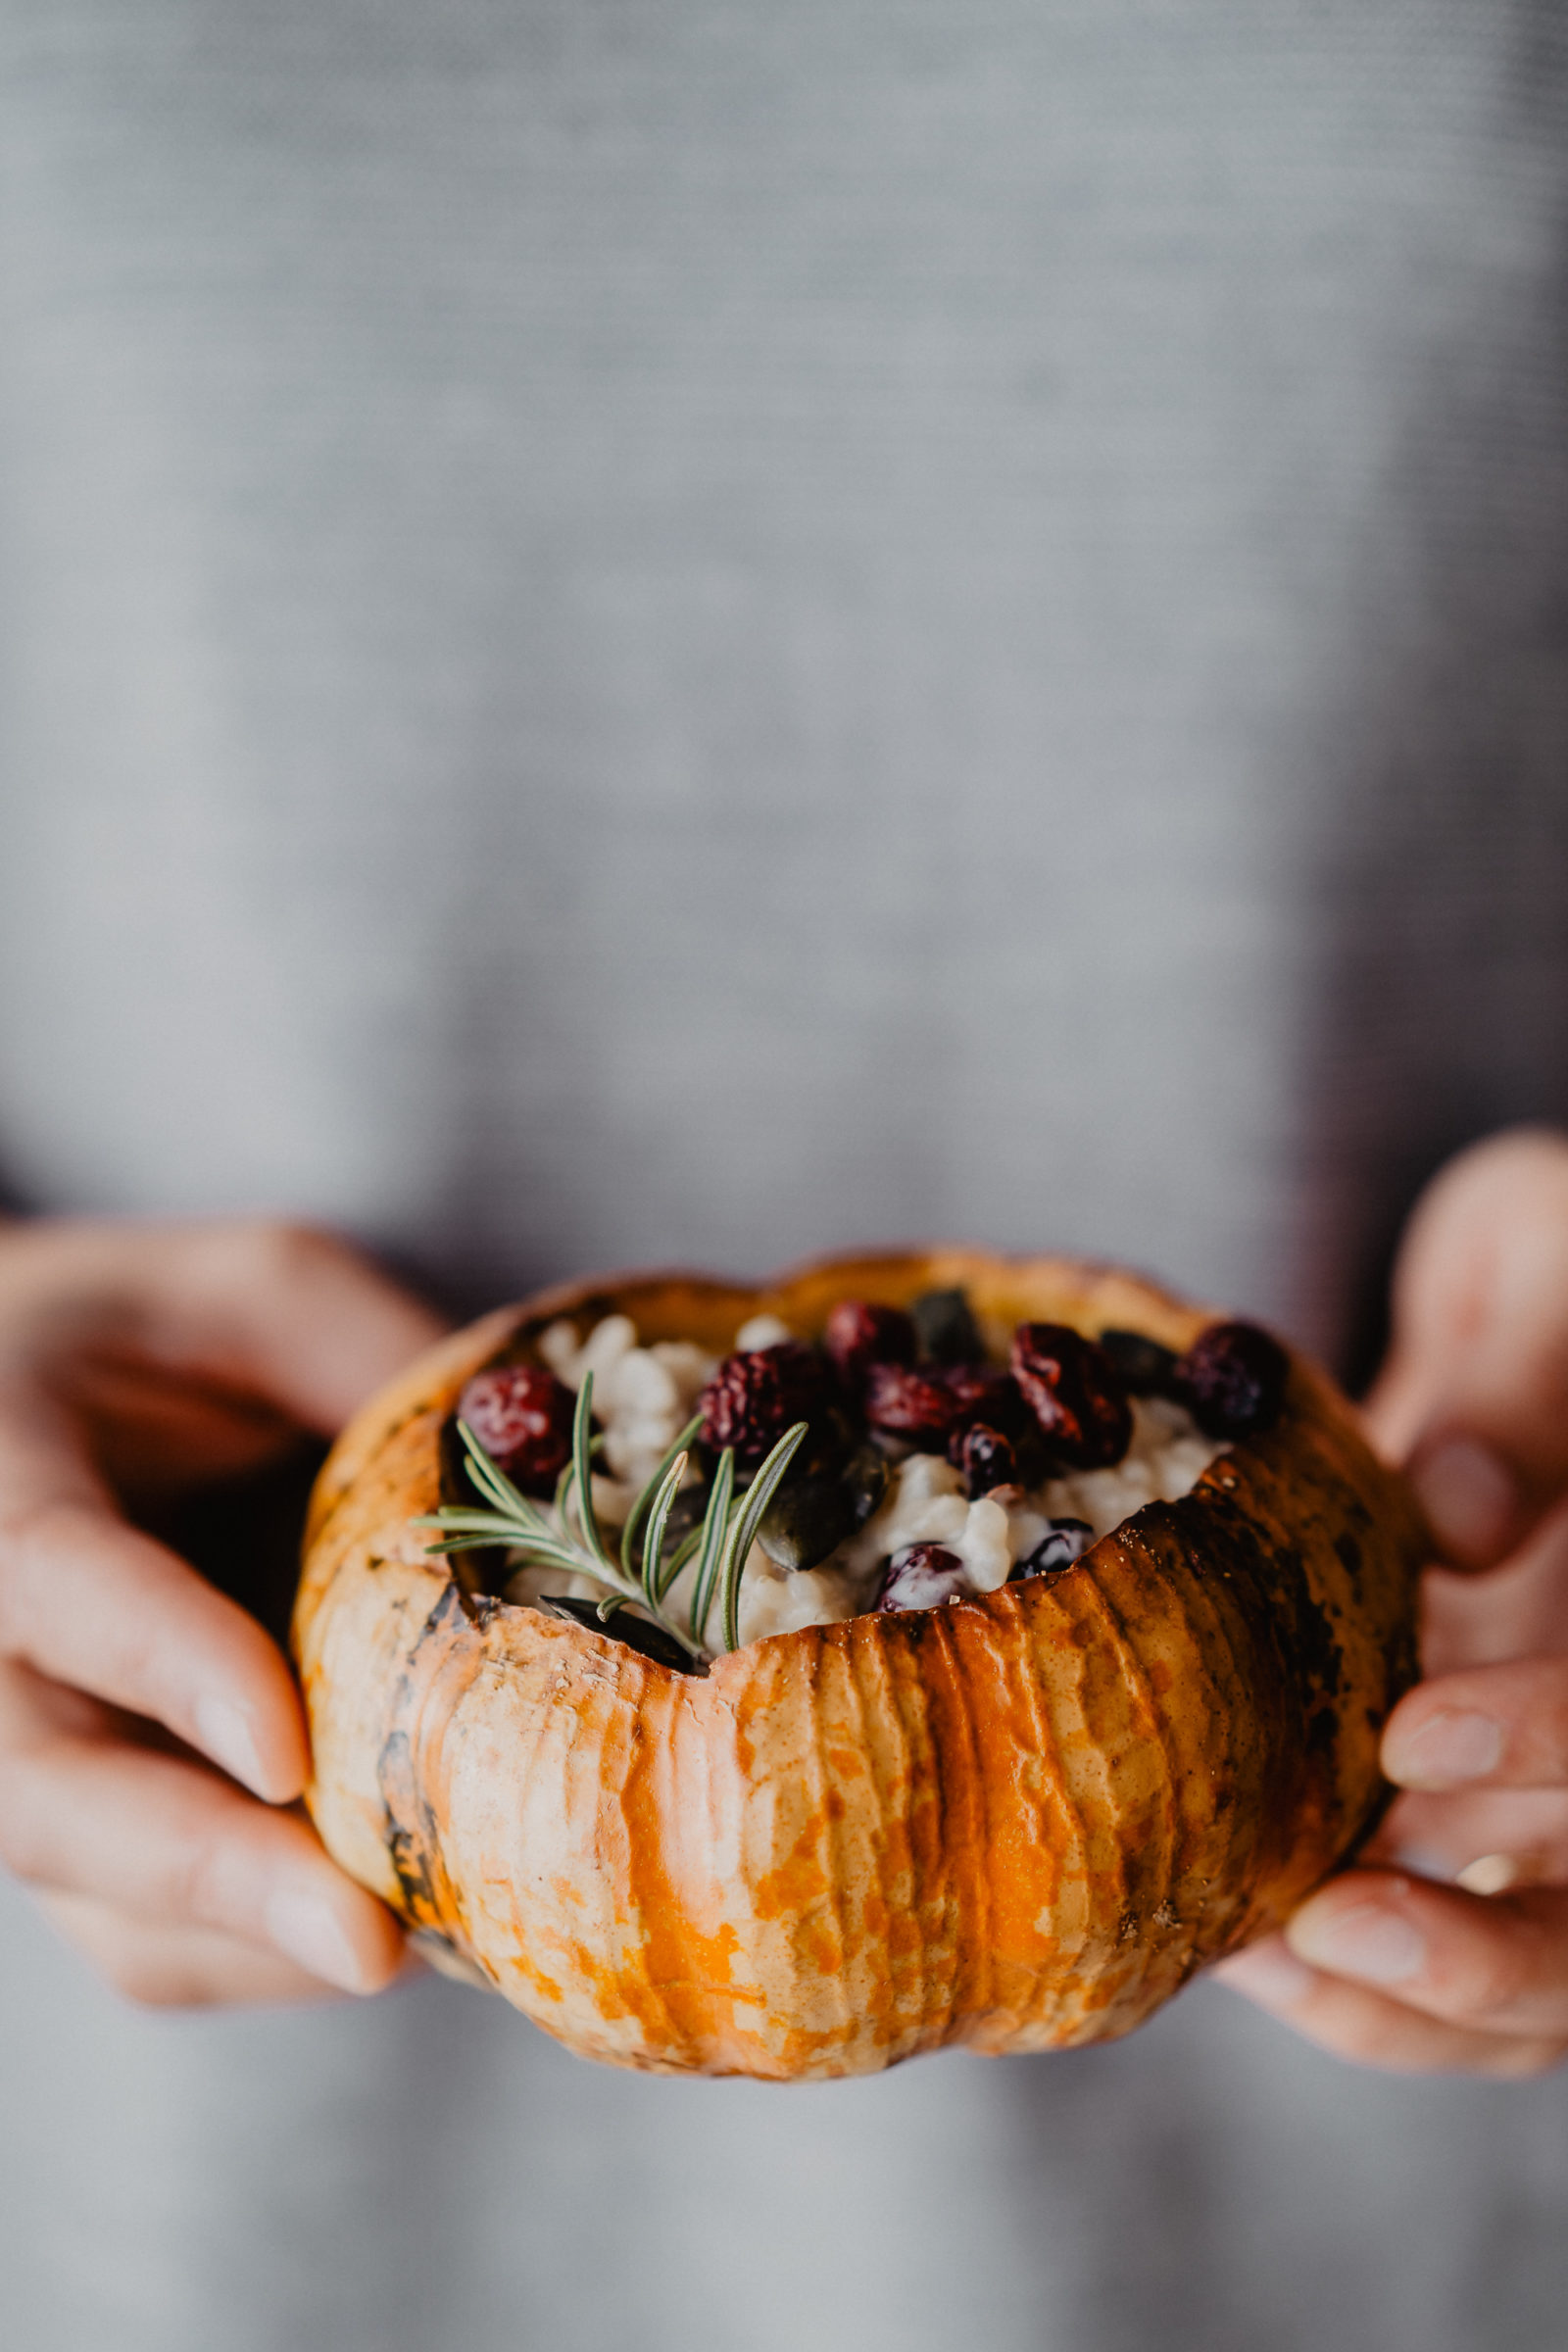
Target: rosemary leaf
x,y
758,1494
460,1543
646,1495
493,1527
451,1516
714,1528
552,1554
581,1455
493,1480
654,1585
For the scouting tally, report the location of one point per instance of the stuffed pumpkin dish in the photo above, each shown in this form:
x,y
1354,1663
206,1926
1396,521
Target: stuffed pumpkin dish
x,y
912,1650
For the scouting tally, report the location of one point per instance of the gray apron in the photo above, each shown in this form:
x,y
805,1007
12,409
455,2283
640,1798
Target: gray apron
x,y
710,631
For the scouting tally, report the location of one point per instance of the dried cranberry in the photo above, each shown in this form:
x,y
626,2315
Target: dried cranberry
x,y
1078,1401
982,1393
522,1415
756,1395
1232,1379
916,1405
860,1335
986,1459
923,1577
1064,1542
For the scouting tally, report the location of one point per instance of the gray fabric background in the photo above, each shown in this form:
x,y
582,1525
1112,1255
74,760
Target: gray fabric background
x,y
708,630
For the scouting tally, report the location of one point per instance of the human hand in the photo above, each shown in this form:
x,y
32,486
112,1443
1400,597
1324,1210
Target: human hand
x,y
1382,1964
137,1362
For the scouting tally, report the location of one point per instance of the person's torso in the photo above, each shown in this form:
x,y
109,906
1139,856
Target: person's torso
x,y
706,633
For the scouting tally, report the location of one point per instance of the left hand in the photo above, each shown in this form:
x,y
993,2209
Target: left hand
x,y
1389,1964
152,1740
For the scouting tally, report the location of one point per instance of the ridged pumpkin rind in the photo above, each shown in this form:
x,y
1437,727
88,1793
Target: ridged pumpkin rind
x,y
1017,1823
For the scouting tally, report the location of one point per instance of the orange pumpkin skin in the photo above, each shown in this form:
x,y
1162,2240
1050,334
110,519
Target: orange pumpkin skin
x,y
1016,1823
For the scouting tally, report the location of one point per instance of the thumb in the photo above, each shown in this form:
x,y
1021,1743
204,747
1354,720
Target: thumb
x,y
287,1316
1474,1395
292,1314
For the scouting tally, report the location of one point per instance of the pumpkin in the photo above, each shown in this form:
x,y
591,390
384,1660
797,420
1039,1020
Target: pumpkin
x,y
1016,1823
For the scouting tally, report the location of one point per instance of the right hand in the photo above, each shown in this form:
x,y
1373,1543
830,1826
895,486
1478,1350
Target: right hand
x,y
1445,1945
152,1740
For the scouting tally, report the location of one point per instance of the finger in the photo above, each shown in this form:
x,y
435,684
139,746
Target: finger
x,y
295,1314
1485,1727
1488,1840
169,1843
286,1313
1520,1607
1498,1966
153,1434
1373,2029
176,1968
88,1601
1474,1390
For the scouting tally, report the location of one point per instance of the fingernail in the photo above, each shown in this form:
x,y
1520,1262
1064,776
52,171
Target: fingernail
x,y
1268,1973
224,1732
305,1929
1367,1941
1468,1495
1443,1750
1491,1873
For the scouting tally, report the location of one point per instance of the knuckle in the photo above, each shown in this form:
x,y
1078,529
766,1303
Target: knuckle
x,y
1517,2061
34,1529
200,1884
258,1256
1356,2032
148,1979
284,1248
1541,1732
27,1846
1497,1973
146,1968
38,1542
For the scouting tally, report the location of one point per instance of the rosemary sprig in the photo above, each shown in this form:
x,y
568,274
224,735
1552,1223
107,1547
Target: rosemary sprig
x,y
582,1479
758,1494
713,1544
657,1576
721,1543
648,1499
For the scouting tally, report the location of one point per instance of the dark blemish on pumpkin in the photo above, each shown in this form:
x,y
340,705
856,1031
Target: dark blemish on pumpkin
x,y
1402,1655
409,1832
1280,1610
394,1774
427,1939
1349,1551
1321,1732
1377,1814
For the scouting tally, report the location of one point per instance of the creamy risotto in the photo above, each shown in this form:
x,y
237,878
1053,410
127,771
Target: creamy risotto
x,y
925,1535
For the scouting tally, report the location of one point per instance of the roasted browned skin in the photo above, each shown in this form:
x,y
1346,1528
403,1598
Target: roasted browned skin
x,y
1017,1823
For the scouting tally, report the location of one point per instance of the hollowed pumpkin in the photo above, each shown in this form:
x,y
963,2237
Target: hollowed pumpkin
x,y
1016,1823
